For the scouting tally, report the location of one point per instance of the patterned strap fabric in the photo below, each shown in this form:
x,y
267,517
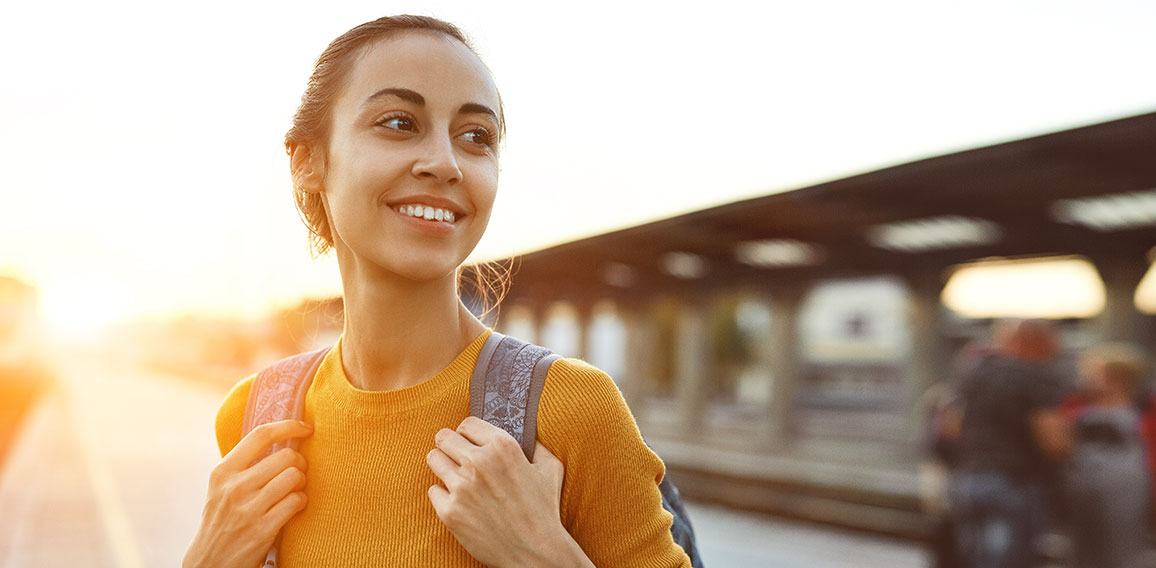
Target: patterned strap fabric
x,y
507,385
278,393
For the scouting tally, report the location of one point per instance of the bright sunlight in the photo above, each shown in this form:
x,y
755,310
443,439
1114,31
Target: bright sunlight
x,y
83,305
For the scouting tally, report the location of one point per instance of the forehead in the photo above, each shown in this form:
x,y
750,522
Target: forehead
x,y
443,70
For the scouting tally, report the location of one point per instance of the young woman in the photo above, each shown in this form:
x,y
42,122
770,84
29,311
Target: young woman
x,y
394,157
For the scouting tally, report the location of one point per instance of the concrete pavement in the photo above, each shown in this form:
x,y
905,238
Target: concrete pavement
x,y
109,470
730,538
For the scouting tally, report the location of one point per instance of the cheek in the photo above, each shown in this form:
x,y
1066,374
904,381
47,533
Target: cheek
x,y
485,189
356,178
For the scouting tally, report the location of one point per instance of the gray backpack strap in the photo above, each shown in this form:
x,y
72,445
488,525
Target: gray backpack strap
x,y
507,384
278,393
504,391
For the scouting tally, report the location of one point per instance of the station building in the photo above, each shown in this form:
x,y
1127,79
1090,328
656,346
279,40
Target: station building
x,y
777,351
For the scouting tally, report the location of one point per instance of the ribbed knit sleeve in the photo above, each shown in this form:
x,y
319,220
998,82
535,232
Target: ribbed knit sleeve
x,y
611,503
231,416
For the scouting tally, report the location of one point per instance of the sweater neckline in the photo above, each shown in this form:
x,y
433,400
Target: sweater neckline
x,y
333,384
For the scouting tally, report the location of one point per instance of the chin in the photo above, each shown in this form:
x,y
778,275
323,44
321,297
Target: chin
x,y
424,269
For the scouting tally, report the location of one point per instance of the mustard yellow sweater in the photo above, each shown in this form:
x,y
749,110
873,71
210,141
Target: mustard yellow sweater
x,y
368,477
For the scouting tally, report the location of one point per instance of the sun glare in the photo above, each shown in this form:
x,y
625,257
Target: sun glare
x,y
80,307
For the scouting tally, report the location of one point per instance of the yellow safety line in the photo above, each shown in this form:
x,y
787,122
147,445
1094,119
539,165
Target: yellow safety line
x,y
117,526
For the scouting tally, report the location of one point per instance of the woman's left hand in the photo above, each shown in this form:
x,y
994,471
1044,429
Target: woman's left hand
x,y
502,508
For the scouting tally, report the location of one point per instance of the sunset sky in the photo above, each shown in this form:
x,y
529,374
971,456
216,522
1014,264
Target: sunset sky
x,y
143,171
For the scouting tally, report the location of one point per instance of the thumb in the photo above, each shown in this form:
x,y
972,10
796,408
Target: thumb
x,y
547,462
543,457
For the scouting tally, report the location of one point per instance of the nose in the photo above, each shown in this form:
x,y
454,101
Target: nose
x,y
436,160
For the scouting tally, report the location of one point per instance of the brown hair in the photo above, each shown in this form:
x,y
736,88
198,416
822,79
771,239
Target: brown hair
x,y
1122,362
311,124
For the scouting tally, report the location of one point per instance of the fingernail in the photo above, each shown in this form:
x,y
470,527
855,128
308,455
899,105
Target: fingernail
x,y
306,424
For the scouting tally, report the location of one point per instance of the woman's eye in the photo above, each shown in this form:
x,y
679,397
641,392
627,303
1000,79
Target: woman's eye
x,y
398,123
479,136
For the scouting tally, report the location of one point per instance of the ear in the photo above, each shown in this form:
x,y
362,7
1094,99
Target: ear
x,y
307,168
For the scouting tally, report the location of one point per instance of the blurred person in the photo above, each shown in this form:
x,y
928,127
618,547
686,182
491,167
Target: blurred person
x,y
941,453
1107,481
394,158
1009,436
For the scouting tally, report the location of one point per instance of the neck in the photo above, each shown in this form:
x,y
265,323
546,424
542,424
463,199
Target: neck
x,y
400,332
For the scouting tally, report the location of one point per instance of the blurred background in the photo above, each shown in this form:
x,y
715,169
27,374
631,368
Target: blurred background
x,y
775,226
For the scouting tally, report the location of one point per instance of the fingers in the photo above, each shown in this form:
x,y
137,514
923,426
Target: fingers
x,y
284,509
483,434
444,468
265,470
439,497
480,432
253,445
289,480
455,446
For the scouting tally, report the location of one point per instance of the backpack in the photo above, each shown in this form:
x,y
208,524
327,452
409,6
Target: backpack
x,y
504,390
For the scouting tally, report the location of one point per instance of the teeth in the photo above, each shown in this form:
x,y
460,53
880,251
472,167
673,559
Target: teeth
x,y
427,212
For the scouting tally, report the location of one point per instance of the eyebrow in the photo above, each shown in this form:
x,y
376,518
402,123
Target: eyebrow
x,y
416,98
404,94
469,108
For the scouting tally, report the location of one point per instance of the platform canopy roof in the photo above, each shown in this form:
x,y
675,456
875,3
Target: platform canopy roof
x,y
1089,191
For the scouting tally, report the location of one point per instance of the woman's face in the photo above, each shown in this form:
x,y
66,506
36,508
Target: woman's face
x,y
412,165
1093,374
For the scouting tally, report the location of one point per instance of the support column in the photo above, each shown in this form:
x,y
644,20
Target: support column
x,y
641,348
784,361
692,365
928,357
537,309
1120,321
583,313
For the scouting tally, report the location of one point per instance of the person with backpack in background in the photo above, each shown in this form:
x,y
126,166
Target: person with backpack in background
x,y
1107,482
393,155
1009,438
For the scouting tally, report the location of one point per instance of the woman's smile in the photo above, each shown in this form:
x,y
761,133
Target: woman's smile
x,y
428,207
427,212
427,220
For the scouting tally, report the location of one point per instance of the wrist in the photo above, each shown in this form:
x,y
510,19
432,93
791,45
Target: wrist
x,y
557,549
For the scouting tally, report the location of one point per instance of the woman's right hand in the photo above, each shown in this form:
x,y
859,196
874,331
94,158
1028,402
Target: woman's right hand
x,y
248,503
